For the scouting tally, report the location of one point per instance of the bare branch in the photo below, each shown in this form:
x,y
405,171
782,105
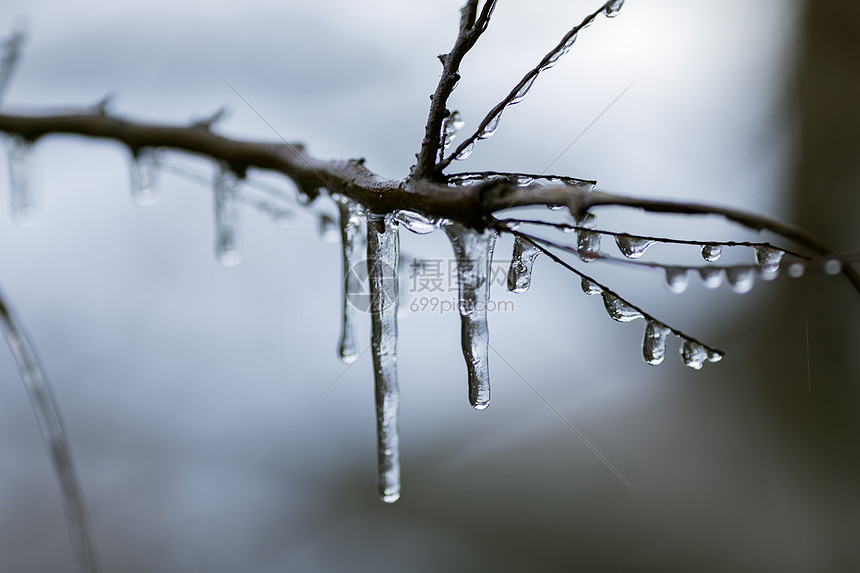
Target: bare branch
x,y
490,122
471,28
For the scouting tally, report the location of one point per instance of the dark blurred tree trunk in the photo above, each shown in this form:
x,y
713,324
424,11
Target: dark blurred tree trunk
x,y
808,388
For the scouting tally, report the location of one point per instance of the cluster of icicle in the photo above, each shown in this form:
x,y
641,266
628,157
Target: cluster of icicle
x,y
473,251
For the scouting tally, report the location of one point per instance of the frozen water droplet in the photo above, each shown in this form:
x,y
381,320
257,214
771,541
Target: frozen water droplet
x,y
474,253
632,247
555,57
523,91
467,151
677,279
613,7
712,277
328,229
590,287
715,356
306,196
587,220
768,258
227,218
25,212
144,177
654,343
711,252
524,180
491,126
588,245
693,354
796,270
354,292
554,207
450,126
832,267
522,261
383,255
416,222
618,309
740,279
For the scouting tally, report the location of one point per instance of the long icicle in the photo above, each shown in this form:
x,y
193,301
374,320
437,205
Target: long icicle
x,y
474,253
383,252
54,435
350,236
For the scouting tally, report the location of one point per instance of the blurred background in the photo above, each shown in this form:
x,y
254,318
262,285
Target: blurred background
x,y
173,373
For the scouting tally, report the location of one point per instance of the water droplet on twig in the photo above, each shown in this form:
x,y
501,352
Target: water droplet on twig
x,y
618,309
613,7
768,258
693,354
588,245
522,261
711,252
712,277
654,343
741,279
590,287
632,247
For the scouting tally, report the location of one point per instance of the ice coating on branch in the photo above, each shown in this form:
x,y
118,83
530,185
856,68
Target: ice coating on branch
x,y
416,222
522,261
712,277
590,287
328,229
351,240
523,91
144,177
450,126
632,247
383,254
740,279
474,253
711,252
556,56
654,343
50,422
491,126
613,7
23,206
618,309
227,218
467,151
694,354
768,258
677,279
588,245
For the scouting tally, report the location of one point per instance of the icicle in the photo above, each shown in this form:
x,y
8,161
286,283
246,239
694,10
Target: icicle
x,y
740,279
227,218
47,411
654,343
328,229
450,125
677,279
694,354
474,253
144,177
588,245
613,7
590,287
796,270
632,247
712,277
353,292
768,258
618,309
415,222
711,252
832,267
383,254
23,206
522,261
